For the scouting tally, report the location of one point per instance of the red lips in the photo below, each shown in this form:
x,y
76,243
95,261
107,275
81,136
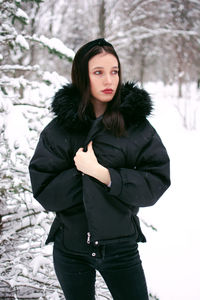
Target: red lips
x,y
107,91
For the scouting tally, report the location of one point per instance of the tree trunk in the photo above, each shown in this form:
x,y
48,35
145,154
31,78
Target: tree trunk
x,y
142,68
180,87
102,19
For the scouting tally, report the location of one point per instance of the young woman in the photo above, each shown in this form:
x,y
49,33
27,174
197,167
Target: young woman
x,y
96,163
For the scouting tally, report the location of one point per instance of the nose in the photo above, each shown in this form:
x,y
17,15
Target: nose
x,y
107,79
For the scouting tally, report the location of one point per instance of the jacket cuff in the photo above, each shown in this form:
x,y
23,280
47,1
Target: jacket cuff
x,y
116,181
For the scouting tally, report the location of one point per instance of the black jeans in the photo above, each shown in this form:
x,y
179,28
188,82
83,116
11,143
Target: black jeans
x,y
119,264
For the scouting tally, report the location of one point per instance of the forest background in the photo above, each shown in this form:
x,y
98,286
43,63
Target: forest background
x,y
157,42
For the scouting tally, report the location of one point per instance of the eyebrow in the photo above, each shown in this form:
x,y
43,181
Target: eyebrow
x,y
115,67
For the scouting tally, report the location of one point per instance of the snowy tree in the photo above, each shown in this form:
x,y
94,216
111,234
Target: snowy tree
x,y
186,46
158,41
147,32
24,110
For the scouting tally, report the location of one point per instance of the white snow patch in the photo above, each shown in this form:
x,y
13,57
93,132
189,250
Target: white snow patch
x,y
55,78
57,45
171,256
55,296
39,262
22,41
16,131
21,14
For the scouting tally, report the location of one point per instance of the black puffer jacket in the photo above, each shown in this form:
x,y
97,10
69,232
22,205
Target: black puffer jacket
x,y
138,164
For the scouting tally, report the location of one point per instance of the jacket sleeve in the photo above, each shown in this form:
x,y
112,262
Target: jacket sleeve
x,y
144,183
56,183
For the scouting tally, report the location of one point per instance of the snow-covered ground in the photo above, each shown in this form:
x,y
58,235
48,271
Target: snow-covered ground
x,y
171,256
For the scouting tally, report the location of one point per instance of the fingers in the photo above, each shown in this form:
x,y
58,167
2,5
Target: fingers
x,y
90,144
79,150
90,147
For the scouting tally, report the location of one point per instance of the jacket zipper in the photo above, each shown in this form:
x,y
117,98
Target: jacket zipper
x,y
88,237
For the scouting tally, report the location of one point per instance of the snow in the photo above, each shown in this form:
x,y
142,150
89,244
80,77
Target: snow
x,y
21,14
171,255
57,45
39,262
17,131
22,41
55,296
19,67
54,78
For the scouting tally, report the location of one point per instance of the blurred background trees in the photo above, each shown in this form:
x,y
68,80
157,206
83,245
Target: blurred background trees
x,y
156,41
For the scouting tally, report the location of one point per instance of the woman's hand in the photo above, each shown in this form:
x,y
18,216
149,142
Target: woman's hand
x,y
87,163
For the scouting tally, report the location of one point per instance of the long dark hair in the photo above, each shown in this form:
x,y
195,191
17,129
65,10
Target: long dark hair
x,y
112,119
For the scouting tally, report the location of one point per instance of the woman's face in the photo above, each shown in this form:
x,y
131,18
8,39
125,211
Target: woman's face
x,y
104,78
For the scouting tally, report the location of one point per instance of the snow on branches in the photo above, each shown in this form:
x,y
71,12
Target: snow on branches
x,y
26,269
54,46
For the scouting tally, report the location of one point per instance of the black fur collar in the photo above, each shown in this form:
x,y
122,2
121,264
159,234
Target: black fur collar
x,y
135,106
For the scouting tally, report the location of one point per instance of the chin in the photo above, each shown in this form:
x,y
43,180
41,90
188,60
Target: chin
x,y
107,98
103,99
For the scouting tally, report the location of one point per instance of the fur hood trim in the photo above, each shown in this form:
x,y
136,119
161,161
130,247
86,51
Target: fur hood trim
x,y
135,106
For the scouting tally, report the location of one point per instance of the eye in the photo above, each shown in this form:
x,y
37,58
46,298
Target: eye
x,y
97,72
115,72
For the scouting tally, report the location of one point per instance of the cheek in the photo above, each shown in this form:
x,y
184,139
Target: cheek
x,y
94,83
93,86
116,81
